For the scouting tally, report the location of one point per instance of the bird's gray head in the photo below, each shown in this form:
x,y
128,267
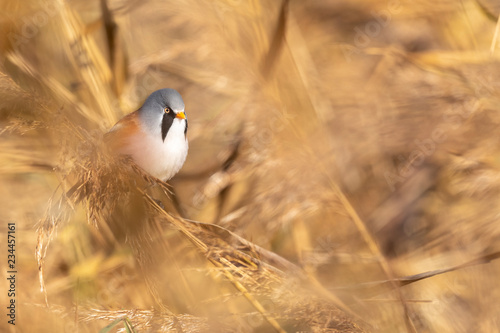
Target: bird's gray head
x,y
160,110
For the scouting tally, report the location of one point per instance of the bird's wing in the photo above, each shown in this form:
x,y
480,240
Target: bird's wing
x,y
118,136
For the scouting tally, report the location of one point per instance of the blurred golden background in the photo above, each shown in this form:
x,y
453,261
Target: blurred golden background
x,y
338,149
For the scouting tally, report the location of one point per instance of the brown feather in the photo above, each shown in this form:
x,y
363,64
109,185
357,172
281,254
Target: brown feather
x,y
117,137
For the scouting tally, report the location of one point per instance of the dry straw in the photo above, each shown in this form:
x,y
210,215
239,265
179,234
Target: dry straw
x,y
342,174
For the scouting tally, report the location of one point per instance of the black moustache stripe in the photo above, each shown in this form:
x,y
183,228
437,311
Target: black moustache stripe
x,y
166,124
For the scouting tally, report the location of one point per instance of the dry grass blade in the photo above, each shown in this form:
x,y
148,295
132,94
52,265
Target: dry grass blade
x,y
277,41
86,55
406,280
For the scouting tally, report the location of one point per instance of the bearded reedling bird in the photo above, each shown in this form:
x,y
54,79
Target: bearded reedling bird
x,y
154,135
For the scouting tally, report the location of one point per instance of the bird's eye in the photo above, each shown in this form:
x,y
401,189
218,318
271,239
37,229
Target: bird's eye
x,y
166,110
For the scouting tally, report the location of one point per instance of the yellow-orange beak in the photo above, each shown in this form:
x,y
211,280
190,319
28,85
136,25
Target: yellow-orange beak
x,y
180,115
